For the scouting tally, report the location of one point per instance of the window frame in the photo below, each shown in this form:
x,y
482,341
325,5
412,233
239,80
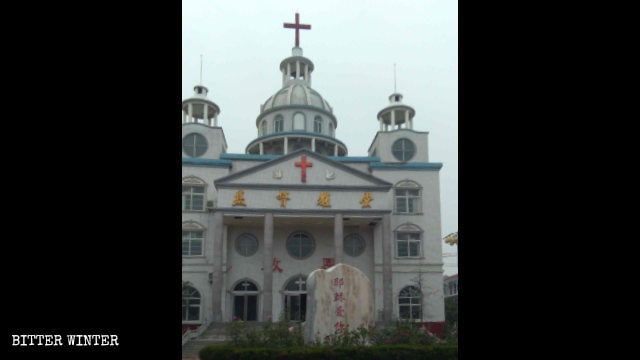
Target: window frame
x,y
191,195
403,142
298,292
191,240
293,121
317,124
412,203
263,127
292,236
278,124
410,230
236,244
194,146
411,293
363,247
189,304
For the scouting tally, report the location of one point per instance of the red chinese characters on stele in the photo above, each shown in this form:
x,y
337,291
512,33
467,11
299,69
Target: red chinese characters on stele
x,y
338,282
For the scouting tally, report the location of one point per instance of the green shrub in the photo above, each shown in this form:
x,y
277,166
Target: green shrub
x,y
282,334
378,352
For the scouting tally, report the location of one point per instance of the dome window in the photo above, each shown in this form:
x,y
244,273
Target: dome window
x,y
298,121
263,126
278,124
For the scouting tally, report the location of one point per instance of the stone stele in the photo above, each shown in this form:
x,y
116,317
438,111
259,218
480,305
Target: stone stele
x,y
338,298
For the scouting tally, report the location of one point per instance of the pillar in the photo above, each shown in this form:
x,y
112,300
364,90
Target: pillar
x,y
338,237
393,119
218,231
267,266
206,114
387,286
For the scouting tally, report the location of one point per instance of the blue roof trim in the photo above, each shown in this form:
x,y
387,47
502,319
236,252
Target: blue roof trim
x,y
248,157
309,134
354,159
407,166
206,162
363,159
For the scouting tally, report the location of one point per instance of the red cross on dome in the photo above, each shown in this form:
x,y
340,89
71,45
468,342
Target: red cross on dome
x,y
297,26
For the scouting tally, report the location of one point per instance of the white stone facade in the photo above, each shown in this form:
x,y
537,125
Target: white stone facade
x,y
226,196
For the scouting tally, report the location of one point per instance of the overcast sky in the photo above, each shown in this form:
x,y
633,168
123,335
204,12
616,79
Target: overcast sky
x,y
354,46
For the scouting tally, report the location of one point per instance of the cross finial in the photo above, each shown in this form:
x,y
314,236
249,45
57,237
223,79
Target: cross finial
x,y
201,69
297,26
394,77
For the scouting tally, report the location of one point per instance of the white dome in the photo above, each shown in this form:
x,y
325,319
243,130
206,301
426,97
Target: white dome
x,y
296,93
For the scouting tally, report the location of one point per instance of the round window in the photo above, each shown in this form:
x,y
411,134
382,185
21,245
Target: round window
x,y
246,244
300,245
403,149
353,245
194,145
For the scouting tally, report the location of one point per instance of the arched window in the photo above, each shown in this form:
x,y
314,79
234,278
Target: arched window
x,y
190,304
194,145
408,241
192,239
295,298
193,194
408,198
263,126
245,300
410,303
298,121
331,129
278,124
300,245
317,124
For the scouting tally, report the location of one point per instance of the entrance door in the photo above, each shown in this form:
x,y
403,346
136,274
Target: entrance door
x,y
295,299
245,301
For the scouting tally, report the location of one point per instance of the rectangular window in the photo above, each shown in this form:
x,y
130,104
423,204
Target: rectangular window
x,y
407,244
192,243
408,201
192,198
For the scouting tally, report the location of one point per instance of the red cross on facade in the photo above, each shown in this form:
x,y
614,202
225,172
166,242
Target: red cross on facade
x,y
304,165
297,26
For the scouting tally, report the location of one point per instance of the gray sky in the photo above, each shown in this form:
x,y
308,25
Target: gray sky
x,y
354,46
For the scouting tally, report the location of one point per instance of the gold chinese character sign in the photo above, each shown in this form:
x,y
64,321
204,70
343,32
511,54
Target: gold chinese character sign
x,y
324,199
238,199
366,199
283,196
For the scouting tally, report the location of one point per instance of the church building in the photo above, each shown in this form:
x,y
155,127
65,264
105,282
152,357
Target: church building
x,y
254,225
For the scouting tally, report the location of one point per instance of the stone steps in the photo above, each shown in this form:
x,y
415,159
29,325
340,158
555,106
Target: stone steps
x,y
215,334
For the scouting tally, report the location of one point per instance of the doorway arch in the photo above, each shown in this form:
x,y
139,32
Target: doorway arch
x,y
245,300
295,298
